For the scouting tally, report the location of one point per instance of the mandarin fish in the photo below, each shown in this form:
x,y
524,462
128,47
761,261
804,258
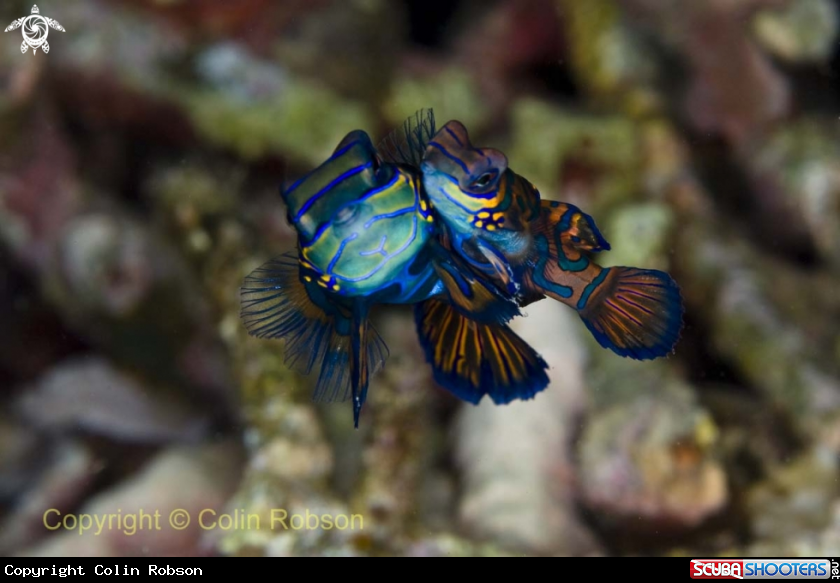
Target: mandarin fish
x,y
531,248
366,236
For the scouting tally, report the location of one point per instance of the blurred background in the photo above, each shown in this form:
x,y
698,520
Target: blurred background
x,y
139,174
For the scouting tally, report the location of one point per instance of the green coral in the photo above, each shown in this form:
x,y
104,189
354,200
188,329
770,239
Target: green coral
x,y
607,57
639,235
306,120
800,31
546,138
804,156
452,94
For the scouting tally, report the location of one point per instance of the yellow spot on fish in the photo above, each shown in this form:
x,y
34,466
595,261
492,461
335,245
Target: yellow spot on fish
x,y
496,216
479,224
491,227
430,218
322,284
325,277
335,287
483,215
307,278
423,205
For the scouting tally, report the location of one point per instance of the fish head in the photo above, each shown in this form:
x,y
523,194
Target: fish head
x,y
359,220
460,179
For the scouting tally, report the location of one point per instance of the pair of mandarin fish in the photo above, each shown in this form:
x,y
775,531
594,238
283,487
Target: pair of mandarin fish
x,y
428,219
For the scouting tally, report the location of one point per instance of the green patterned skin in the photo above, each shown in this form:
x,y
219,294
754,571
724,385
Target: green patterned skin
x,y
361,222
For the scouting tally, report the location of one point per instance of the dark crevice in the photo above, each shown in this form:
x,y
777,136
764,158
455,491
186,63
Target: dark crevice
x,y
557,79
703,364
34,336
429,21
757,213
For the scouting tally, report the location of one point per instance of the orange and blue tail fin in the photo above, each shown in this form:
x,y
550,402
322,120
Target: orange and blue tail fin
x,y
636,313
319,334
470,359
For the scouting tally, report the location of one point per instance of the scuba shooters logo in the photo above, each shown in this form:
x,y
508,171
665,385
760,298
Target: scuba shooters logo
x,y
764,569
717,569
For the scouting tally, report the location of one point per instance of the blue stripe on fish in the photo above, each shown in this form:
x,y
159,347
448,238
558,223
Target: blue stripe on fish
x,y
408,209
446,153
338,180
387,256
343,150
455,202
368,194
376,251
480,152
340,251
593,285
454,137
562,259
454,181
562,291
335,155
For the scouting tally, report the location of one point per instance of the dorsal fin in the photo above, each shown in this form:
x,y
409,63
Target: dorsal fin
x,y
407,144
575,229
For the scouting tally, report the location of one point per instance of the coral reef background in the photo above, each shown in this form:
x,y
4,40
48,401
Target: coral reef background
x,y
139,173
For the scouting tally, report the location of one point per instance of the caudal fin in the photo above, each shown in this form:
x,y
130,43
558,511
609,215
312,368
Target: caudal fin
x,y
317,332
471,360
636,313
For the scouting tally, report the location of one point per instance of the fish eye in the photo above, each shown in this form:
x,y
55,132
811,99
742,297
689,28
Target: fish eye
x,y
345,215
484,180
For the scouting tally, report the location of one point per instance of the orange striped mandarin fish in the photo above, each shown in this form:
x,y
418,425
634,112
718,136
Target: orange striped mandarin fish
x,y
530,248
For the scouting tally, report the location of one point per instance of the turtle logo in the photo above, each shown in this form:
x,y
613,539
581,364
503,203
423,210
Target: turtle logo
x,y
35,30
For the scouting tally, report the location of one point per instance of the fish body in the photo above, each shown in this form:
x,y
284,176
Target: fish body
x,y
366,236
531,248
360,222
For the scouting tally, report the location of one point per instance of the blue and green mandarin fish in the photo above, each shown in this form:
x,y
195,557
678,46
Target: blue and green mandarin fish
x,y
531,248
366,236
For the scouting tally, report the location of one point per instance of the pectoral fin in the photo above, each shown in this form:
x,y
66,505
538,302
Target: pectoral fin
x,y
474,297
497,268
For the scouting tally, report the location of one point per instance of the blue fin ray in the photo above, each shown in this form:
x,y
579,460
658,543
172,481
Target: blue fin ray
x,y
407,144
275,304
